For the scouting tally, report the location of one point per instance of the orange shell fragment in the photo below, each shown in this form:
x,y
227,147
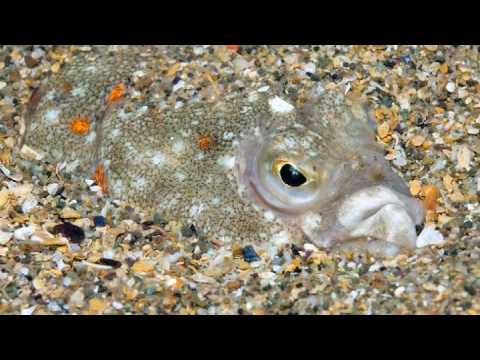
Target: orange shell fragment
x,y
100,178
80,125
117,92
233,48
431,195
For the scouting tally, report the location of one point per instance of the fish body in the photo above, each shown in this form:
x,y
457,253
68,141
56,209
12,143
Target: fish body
x,y
241,170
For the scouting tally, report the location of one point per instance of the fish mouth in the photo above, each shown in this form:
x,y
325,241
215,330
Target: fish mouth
x,y
381,213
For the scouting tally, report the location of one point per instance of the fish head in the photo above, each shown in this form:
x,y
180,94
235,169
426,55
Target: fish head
x,y
331,183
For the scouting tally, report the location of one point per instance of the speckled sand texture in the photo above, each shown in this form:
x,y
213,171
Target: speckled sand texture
x,y
426,104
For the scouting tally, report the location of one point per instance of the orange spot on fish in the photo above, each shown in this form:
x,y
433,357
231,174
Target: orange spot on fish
x,y
67,87
101,178
80,125
117,92
204,142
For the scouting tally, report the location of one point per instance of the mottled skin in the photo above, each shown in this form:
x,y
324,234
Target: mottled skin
x,y
155,157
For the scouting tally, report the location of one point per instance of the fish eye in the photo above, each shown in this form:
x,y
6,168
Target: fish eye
x,y
291,176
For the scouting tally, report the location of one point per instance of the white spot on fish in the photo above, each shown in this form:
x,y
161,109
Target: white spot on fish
x,y
123,115
91,68
180,176
115,133
51,116
142,110
78,91
227,162
178,147
139,182
195,210
50,95
159,158
228,135
290,143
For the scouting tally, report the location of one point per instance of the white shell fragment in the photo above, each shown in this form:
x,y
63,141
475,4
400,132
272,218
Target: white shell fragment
x,y
5,237
53,188
23,233
30,154
279,105
429,236
9,174
29,204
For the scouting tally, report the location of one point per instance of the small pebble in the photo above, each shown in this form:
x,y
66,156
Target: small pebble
x,y
99,221
249,254
74,233
110,262
450,87
54,189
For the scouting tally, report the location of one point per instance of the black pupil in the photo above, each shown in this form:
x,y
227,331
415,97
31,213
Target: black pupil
x,y
292,176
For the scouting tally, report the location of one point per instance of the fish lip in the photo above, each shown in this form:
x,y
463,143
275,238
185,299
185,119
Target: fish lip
x,y
370,200
381,213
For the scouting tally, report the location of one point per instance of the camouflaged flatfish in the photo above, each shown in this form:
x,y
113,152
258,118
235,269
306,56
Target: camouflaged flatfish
x,y
245,169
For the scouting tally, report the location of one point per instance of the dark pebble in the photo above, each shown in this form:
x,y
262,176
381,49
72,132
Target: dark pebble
x,y
189,231
387,101
99,221
406,59
130,261
421,122
249,254
468,224
159,220
470,289
389,63
471,82
334,76
30,61
176,80
313,77
147,224
296,250
110,262
74,233
136,236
